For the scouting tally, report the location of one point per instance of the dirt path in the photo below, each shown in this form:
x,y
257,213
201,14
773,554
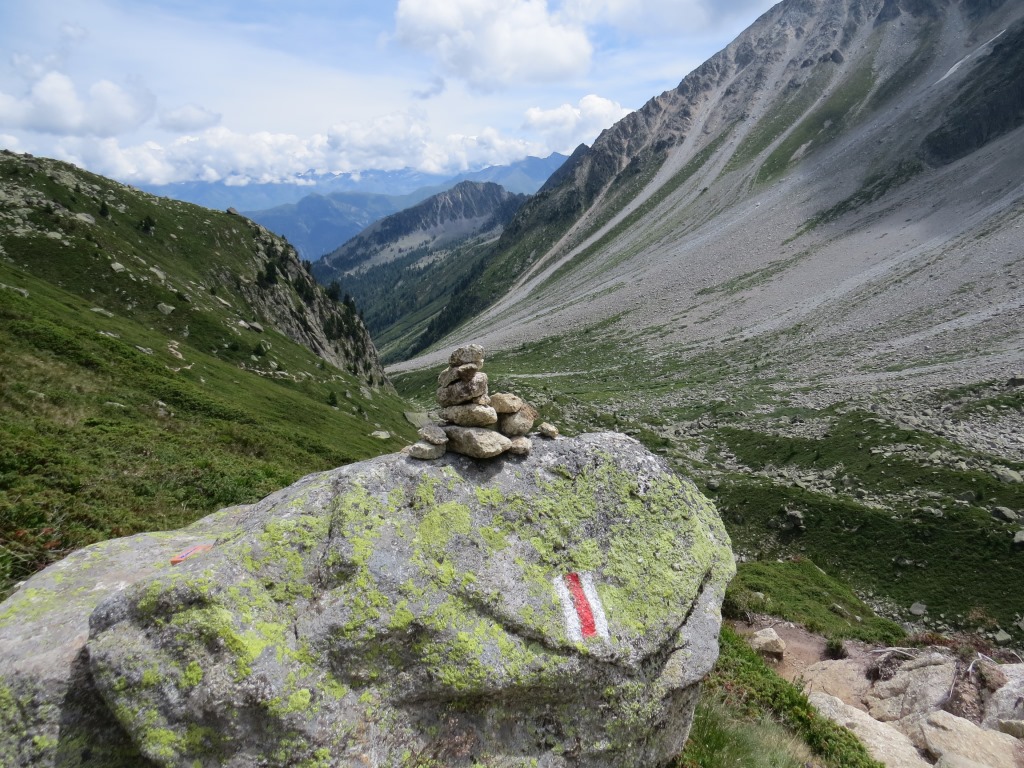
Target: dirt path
x,y
844,679
803,648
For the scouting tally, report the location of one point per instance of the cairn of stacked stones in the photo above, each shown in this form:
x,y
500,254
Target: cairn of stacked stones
x,y
474,422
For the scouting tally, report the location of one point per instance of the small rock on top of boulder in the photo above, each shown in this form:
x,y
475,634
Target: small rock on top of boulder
x,y
471,354
462,391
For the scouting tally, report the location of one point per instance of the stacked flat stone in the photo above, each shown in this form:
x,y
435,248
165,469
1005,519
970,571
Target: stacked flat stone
x,y
475,423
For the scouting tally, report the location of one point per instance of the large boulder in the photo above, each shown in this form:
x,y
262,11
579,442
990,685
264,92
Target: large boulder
x,y
556,610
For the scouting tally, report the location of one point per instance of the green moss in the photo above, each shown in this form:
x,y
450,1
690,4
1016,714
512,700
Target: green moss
x,y
192,676
151,677
401,618
160,744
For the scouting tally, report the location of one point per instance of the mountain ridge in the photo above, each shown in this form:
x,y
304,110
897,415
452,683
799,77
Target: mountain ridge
x,y
319,223
724,118
401,269
468,209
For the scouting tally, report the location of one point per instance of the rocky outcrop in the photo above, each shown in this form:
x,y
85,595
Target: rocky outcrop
x,y
989,103
885,743
915,708
940,733
558,609
918,686
286,295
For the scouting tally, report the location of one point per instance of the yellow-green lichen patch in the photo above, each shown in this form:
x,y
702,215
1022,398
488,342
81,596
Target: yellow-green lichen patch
x,y
469,653
357,517
493,537
160,744
297,702
653,545
440,524
151,677
277,556
654,570
27,603
489,496
401,618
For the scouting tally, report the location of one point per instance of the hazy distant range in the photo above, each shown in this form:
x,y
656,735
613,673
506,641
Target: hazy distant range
x,y
318,212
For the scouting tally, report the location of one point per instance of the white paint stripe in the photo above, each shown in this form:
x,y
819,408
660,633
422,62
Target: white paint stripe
x,y
596,608
572,621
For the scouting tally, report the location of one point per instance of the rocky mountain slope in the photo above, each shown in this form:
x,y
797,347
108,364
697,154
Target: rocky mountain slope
x,y
815,133
798,273
467,210
157,359
401,270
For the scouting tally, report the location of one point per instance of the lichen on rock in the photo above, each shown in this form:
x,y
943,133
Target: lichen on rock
x,y
556,609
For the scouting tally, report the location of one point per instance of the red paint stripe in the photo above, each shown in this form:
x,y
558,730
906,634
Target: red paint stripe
x,y
195,549
582,605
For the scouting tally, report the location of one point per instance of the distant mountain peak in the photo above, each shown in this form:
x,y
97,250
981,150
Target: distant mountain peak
x,y
468,210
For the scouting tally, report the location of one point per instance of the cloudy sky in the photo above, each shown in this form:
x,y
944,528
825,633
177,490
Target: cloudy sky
x,y
154,91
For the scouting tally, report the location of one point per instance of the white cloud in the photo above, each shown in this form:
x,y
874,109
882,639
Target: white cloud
x,y
434,88
189,117
218,154
10,142
489,147
494,43
565,127
53,105
384,142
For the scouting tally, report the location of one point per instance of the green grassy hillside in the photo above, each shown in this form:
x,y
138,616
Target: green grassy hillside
x,y
159,361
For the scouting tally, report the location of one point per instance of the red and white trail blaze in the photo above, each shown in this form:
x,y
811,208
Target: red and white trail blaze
x,y
581,606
